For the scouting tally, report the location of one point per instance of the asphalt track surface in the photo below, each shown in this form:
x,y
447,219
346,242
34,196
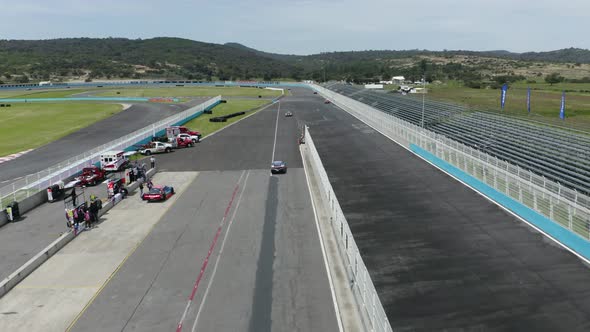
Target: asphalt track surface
x,y
270,274
120,124
441,256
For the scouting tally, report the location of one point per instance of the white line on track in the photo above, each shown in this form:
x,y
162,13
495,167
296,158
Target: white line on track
x,y
325,256
205,263
274,145
231,221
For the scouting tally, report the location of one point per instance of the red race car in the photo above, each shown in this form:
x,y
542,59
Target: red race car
x,y
158,194
91,176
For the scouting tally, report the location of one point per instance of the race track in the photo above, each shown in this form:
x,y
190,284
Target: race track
x,y
120,124
440,255
265,271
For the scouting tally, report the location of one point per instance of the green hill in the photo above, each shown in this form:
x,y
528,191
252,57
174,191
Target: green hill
x,y
176,58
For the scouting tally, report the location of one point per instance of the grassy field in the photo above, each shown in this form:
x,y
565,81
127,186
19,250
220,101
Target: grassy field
x,y
27,126
545,102
203,125
189,91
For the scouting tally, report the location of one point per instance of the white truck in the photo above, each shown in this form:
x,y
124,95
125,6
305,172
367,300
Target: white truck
x,y
156,147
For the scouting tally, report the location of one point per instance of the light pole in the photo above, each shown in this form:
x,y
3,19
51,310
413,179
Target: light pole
x,y
423,101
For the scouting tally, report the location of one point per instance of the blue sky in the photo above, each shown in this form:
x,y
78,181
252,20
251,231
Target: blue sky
x,y
305,26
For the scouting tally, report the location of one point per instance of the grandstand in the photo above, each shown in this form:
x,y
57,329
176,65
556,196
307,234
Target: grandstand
x,y
557,154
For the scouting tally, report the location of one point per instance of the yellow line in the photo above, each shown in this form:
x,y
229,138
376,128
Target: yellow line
x,y
122,263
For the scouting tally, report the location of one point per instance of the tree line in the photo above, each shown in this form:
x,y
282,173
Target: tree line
x,y
175,58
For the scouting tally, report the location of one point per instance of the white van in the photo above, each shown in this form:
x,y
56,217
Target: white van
x,y
113,161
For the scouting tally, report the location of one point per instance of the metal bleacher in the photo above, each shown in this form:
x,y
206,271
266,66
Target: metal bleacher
x,y
555,153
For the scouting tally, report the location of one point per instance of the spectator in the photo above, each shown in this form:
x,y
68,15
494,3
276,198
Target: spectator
x,y
74,197
140,189
93,211
87,221
135,172
153,161
131,175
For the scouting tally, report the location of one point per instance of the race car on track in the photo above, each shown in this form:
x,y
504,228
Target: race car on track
x,y
158,194
326,101
288,114
278,167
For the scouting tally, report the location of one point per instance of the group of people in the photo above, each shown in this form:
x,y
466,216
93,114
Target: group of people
x,y
85,213
137,172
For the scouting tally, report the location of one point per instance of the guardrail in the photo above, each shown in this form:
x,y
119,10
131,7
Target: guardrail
x,y
562,205
361,284
33,183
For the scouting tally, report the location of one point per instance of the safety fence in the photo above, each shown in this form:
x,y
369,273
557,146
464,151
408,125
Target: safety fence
x,y
562,205
362,286
33,183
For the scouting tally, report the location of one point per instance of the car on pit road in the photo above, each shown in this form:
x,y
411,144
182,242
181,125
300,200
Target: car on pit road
x,y
278,167
158,194
91,176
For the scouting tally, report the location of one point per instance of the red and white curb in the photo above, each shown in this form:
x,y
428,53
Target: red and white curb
x,y
13,156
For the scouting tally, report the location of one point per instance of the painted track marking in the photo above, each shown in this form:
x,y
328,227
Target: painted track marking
x,y
231,221
274,145
206,261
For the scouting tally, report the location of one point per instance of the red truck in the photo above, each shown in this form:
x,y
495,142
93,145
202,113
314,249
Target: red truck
x,y
91,176
174,131
183,142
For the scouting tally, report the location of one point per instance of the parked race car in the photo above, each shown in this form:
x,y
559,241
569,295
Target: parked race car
x,y
158,194
91,176
278,167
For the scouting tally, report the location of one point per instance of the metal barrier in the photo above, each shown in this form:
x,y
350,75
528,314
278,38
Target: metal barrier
x,y
362,286
562,205
33,183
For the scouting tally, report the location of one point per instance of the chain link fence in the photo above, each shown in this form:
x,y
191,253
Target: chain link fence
x,y
33,183
562,205
361,284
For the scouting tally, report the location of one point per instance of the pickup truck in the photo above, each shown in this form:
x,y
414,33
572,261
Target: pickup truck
x,y
192,138
185,130
155,147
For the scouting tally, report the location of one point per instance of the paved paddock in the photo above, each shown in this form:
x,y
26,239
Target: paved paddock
x,y
53,295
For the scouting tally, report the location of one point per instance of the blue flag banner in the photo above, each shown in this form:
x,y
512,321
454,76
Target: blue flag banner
x,y
503,95
528,100
562,109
